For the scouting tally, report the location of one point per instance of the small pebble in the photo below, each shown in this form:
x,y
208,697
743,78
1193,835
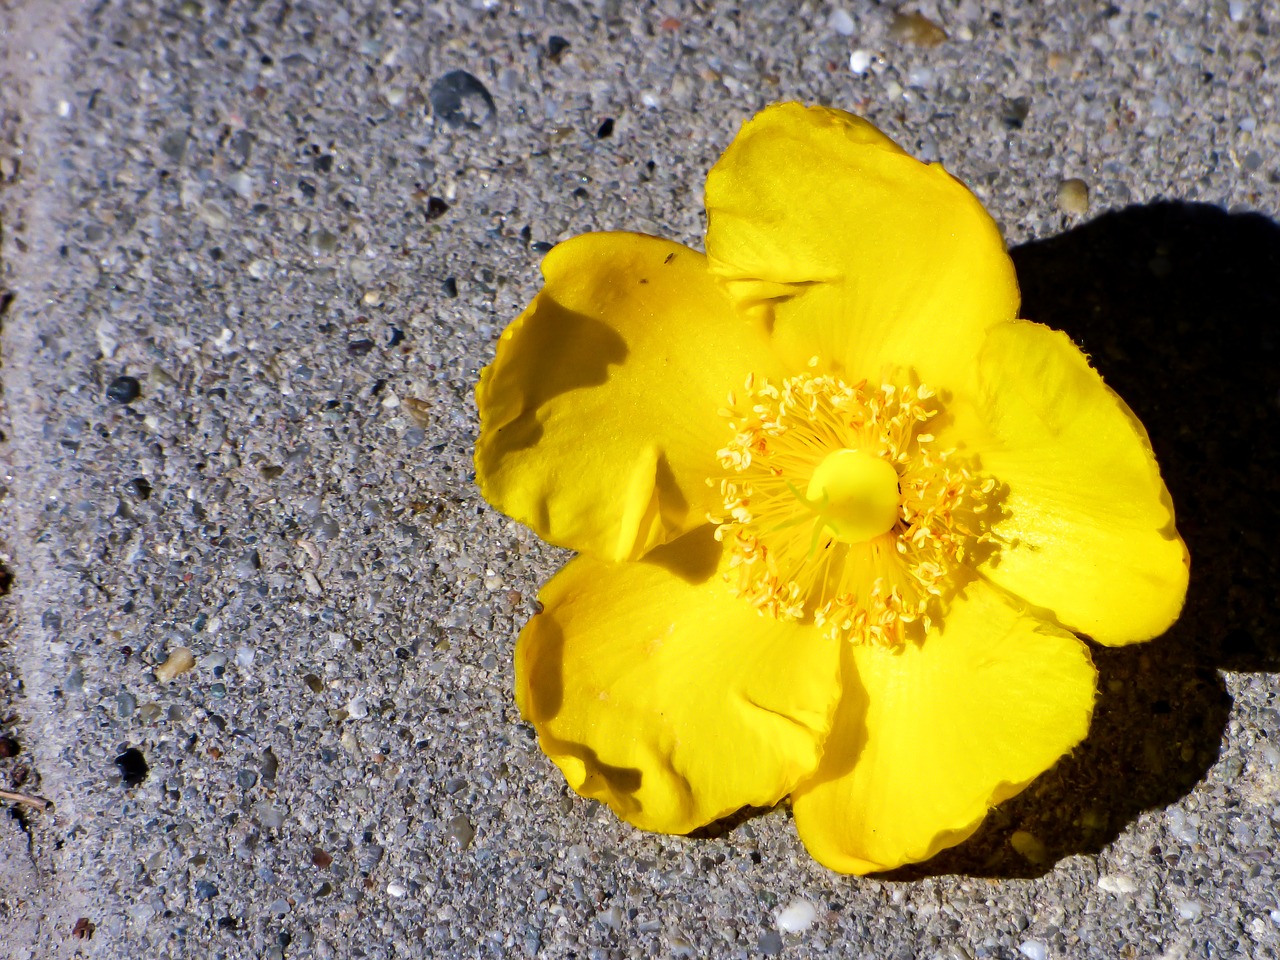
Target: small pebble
x,y
460,100
1189,909
461,830
1034,949
556,46
797,916
397,889
268,816
1117,883
205,890
1073,197
178,662
916,29
1029,846
126,703
133,767
770,944
435,208
124,389
841,22
860,61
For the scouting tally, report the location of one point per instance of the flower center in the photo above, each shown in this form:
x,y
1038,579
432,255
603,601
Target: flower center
x,y
839,510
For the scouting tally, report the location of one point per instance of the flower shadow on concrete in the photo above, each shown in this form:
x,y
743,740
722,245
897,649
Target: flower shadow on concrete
x,y
1179,308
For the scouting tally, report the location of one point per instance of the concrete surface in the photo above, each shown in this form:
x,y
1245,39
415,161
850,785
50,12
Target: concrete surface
x,y
260,212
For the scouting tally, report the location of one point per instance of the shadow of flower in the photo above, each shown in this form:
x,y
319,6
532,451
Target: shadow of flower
x,y
1178,306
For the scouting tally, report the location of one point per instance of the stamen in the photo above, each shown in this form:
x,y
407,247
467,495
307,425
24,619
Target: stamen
x,y
839,510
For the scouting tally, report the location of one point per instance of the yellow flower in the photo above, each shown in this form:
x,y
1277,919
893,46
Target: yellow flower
x,y
840,514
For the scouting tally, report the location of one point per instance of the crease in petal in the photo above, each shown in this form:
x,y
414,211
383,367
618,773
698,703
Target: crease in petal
x,y
660,694
1087,529
881,263
927,740
581,435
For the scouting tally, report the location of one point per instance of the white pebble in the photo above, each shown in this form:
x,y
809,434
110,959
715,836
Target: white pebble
x,y
242,184
1235,10
1189,909
797,916
397,889
1181,826
1117,883
919,77
841,22
860,61
108,338
357,709
1034,950
244,657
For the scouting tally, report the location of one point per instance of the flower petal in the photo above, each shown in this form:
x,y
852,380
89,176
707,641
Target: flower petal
x,y
598,417
926,740
856,252
661,694
1089,529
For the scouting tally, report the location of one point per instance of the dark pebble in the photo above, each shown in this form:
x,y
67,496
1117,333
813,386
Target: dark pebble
x,y
396,337
269,766
323,163
541,246
460,100
9,748
1015,112
133,767
124,390
605,129
139,487
435,209
358,348
205,890
246,778
450,287
556,46
771,944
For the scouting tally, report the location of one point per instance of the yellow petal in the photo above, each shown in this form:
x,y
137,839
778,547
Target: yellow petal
x,y
856,252
926,740
657,692
1088,529
598,416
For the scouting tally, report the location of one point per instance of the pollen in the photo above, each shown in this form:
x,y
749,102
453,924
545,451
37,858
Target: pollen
x,y
840,510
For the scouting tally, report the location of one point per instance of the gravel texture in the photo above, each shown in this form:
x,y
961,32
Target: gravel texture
x,y
255,643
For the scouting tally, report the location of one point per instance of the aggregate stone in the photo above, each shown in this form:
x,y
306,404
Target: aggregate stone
x,y
283,221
